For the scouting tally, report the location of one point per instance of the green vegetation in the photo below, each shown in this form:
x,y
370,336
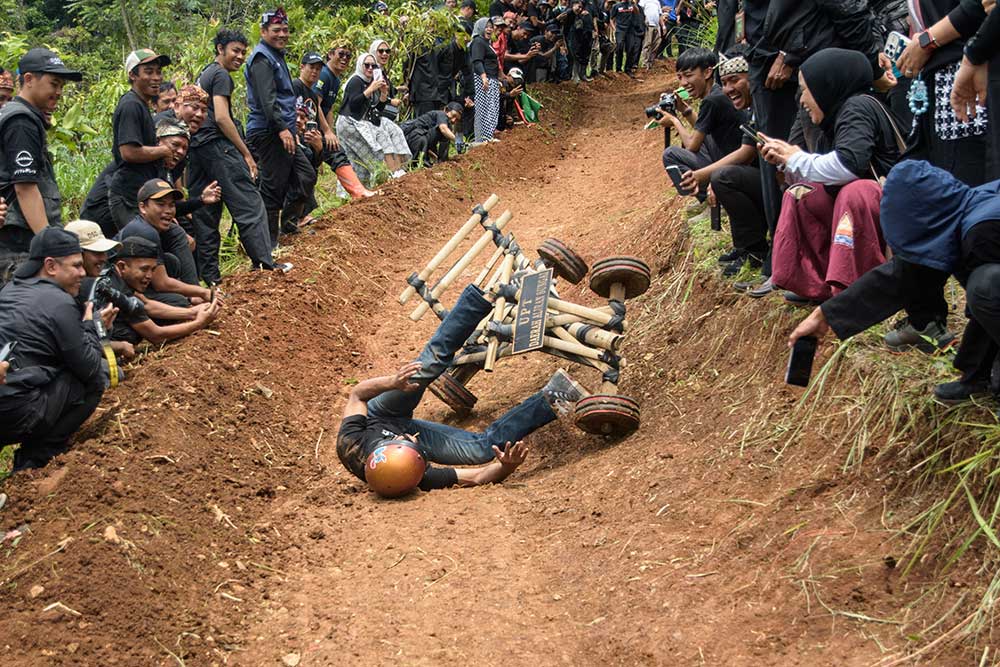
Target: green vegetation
x,y
96,35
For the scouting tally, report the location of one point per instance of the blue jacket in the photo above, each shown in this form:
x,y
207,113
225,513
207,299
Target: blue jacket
x,y
285,94
926,212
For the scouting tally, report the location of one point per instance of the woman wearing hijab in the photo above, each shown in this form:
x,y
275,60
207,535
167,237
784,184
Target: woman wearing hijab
x,y
486,68
936,226
365,134
828,232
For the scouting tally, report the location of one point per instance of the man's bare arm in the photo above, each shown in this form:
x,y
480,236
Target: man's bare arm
x,y
506,463
32,207
366,390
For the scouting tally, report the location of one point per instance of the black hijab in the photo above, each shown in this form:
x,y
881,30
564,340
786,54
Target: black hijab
x,y
834,76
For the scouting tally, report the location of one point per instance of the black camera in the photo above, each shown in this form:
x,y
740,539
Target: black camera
x,y
103,293
667,104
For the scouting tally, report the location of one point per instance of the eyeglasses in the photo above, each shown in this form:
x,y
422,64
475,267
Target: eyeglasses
x,y
343,54
385,50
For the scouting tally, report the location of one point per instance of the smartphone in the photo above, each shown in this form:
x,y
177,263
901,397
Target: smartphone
x,y
756,136
7,349
800,361
377,74
895,44
311,126
683,94
675,174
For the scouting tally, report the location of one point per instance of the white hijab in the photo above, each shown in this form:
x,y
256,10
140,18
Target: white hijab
x,y
359,67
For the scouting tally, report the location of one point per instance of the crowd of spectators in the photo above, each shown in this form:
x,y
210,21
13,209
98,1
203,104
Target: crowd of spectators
x,y
849,143
854,148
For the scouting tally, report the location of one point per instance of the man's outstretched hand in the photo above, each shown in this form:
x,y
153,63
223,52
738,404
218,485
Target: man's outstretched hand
x,y
402,378
512,456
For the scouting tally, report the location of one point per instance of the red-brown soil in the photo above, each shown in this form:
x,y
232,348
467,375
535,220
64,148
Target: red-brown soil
x,y
203,517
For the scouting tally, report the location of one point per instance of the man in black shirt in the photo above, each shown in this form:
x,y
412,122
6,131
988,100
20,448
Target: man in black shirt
x,y
156,322
155,222
431,133
716,129
27,178
625,16
300,198
218,153
137,154
379,412
60,377
545,54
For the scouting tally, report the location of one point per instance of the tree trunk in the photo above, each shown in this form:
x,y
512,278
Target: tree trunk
x,y
129,33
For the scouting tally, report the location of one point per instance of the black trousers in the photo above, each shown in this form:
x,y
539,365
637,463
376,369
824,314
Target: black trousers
x,y
980,341
122,208
336,159
44,418
300,199
422,141
274,166
737,189
219,160
775,111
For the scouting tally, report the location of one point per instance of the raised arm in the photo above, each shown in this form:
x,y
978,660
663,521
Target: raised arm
x,y
366,390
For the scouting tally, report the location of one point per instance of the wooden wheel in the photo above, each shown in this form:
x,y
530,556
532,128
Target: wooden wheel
x,y
606,414
567,264
630,272
453,394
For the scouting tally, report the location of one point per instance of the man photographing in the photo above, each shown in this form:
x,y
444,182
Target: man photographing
x,y
60,375
27,179
715,129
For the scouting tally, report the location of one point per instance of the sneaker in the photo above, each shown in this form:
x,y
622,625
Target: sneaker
x,y
399,173
284,267
762,290
746,285
562,392
928,340
730,255
734,267
796,299
953,393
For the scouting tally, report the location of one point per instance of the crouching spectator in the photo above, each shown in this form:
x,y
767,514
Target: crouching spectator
x,y
431,133
96,247
60,376
828,232
936,226
366,136
174,280
156,322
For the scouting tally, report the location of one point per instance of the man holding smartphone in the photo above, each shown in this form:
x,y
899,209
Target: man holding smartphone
x,y
715,129
60,371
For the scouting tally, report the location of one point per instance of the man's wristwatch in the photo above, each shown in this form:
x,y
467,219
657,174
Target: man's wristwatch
x,y
927,41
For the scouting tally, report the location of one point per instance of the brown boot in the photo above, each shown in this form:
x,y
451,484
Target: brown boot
x,y
349,180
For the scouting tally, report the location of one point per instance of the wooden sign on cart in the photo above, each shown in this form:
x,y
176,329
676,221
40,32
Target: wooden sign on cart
x,y
532,309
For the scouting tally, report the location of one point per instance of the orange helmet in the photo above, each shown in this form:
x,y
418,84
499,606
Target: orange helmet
x,y
394,468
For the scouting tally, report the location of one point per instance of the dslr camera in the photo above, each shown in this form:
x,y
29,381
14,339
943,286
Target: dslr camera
x,y
102,293
667,104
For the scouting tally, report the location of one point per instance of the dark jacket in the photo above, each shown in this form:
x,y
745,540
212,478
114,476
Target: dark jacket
x,y
800,28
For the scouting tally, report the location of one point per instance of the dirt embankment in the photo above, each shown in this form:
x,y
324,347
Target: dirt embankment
x,y
204,518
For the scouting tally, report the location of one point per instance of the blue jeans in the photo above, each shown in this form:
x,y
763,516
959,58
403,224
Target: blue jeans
x,y
448,445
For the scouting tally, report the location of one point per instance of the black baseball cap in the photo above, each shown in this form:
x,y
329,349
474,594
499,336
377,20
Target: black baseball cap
x,y
157,188
50,242
41,60
137,247
527,25
312,58
469,3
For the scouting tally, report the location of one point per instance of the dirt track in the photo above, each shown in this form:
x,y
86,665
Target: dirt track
x,y
237,538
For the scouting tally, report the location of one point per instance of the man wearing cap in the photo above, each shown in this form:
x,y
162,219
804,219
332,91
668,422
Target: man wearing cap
x,y
547,45
271,126
467,14
137,153
95,248
157,322
6,86
219,155
60,376
155,222
431,133
521,51
27,178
